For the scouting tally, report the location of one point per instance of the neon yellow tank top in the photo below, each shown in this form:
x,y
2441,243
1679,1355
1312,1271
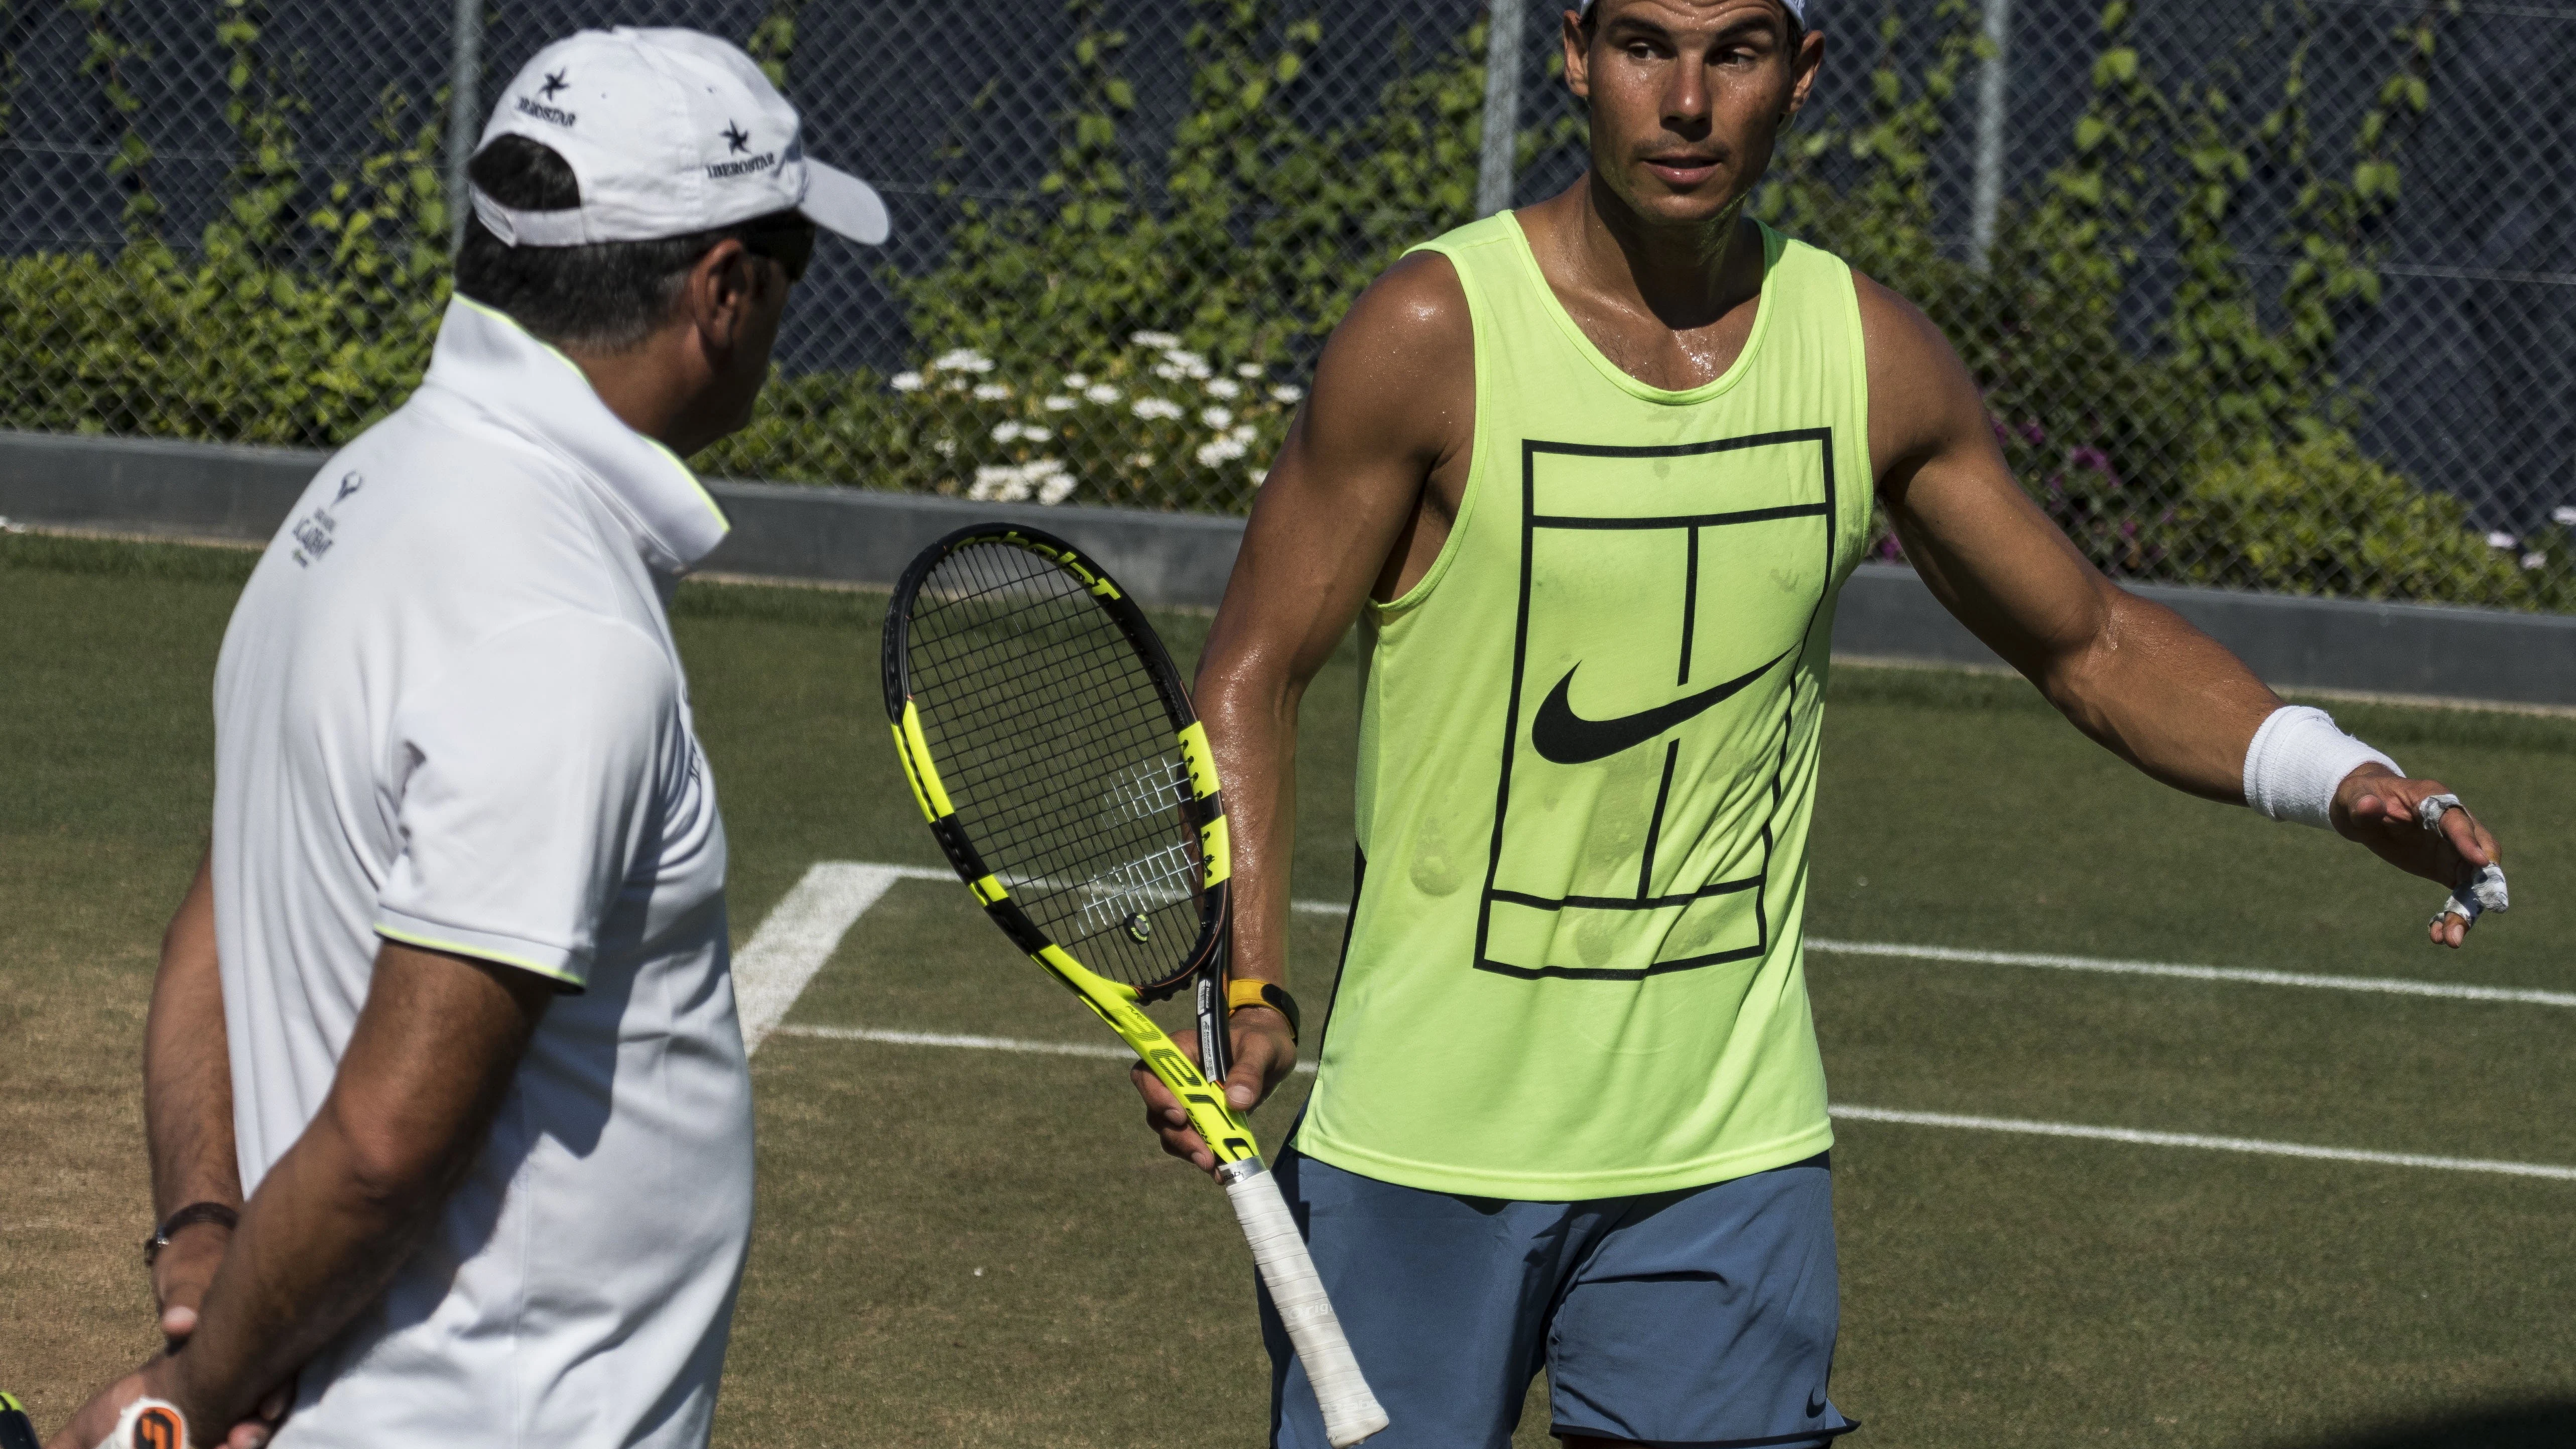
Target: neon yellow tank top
x,y
1588,762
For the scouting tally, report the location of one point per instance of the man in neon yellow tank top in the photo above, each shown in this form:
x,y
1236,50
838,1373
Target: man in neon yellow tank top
x,y
1588,477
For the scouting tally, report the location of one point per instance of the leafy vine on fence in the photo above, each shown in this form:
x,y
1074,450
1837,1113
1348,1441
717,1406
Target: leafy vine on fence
x,y
1138,332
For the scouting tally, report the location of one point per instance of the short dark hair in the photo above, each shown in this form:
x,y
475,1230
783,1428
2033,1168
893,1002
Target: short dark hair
x,y
1592,24
607,296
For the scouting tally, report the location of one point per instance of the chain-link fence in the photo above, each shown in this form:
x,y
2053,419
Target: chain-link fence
x,y
2264,294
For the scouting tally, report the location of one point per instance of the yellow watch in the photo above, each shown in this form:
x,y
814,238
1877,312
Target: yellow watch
x,y
1244,991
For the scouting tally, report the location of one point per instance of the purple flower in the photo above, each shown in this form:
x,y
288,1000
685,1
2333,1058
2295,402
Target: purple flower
x,y
2093,458
2033,434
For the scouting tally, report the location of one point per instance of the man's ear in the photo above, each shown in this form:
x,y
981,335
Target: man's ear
x,y
1578,57
1804,68
718,295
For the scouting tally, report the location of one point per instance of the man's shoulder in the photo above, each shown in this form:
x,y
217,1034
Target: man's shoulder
x,y
443,442
439,517
1418,304
1412,324
1921,395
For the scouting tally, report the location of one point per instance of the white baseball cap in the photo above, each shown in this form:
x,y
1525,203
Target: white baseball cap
x,y
668,132
1797,9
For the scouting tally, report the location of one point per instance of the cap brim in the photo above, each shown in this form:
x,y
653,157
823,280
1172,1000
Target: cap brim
x,y
836,201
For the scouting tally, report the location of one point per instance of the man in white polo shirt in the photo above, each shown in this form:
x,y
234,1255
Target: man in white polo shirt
x,y
446,1024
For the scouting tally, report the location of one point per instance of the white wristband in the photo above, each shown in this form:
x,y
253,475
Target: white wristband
x,y
2297,761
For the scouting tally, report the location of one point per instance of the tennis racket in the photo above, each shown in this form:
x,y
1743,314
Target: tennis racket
x,y
1052,747
16,1431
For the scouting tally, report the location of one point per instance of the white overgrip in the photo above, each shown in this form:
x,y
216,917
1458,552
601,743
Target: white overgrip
x,y
1351,1412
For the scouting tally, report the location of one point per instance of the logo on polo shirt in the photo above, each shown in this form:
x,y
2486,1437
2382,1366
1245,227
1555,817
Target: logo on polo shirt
x,y
556,80
316,531
737,140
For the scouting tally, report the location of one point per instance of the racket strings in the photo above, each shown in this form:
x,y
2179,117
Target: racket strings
x,y
1060,758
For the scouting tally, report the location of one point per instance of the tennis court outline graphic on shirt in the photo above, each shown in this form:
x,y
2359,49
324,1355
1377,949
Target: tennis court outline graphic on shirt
x,y
1564,734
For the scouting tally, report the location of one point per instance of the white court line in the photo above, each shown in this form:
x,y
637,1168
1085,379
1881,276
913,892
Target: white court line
x,y
2171,970
805,928
2381,984
2129,1135
2211,1144
798,936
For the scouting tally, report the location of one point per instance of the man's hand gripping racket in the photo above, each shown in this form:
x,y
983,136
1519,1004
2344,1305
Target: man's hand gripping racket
x,y
1053,749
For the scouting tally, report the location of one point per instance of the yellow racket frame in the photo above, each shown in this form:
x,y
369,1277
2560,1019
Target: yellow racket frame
x,y
1116,1004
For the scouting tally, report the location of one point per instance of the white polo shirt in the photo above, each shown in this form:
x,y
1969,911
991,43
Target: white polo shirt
x,y
449,712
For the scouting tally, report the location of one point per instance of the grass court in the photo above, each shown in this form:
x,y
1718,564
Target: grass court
x,y
962,1246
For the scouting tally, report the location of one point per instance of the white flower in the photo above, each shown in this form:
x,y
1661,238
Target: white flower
x,y
1169,371
1003,483
1224,387
906,381
963,359
1155,407
945,447
1216,417
2501,539
1061,405
1287,394
1076,381
1006,432
992,391
1191,364
2535,560
1153,339
1000,485
1223,450
1257,475
1245,434
1141,460
1247,371
957,384
2563,515
1057,489
1101,392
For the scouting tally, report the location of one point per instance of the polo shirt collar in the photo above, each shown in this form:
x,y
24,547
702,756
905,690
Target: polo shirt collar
x,y
529,387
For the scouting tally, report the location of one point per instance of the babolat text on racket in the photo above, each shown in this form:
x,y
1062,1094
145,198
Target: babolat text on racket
x,y
1051,745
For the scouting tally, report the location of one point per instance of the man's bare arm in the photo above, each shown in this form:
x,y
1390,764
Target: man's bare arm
x,y
188,1104
1341,513
431,1058
2116,664
2130,673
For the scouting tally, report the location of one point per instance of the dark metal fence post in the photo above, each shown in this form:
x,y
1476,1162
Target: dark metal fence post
x,y
1495,169
1993,115
464,112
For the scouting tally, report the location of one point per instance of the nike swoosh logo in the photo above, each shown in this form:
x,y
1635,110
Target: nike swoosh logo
x,y
1815,1406
1569,739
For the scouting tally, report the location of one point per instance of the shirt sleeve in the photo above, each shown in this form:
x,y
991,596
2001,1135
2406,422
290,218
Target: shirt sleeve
x,y
536,777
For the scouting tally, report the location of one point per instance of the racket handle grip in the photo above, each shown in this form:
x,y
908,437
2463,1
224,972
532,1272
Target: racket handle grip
x,y
1351,1412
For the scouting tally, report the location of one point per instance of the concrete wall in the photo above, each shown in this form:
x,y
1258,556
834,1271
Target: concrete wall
x,y
857,536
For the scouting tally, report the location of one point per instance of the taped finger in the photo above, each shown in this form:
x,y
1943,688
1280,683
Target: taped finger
x,y
2476,898
2432,808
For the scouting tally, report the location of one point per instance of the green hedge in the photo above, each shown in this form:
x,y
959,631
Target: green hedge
x,y
1125,343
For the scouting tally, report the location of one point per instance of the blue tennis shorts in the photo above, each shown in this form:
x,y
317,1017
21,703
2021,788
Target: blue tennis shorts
x,y
1694,1319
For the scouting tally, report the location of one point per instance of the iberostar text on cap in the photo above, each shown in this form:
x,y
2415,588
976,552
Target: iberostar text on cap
x,y
668,132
